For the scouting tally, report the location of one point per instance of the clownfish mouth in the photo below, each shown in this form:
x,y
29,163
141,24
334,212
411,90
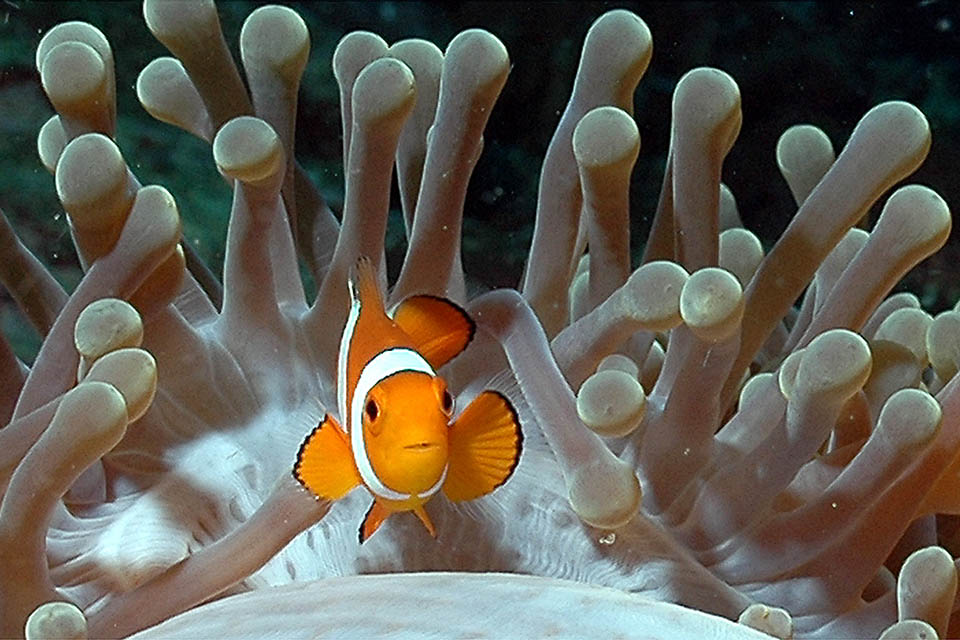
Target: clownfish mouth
x,y
422,446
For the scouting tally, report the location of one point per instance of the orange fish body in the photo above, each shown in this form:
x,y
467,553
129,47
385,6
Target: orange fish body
x,y
398,440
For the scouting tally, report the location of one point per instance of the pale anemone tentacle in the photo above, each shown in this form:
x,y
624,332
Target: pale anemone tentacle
x,y
706,121
475,67
354,52
603,489
149,236
76,65
274,47
383,97
837,203
37,294
915,223
615,56
897,301
210,69
804,155
426,62
606,143
740,253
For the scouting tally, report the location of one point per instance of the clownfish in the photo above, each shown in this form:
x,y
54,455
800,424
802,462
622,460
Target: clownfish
x,y
399,439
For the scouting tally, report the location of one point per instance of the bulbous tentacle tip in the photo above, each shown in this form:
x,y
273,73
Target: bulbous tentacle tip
x,y
611,403
907,328
105,325
706,102
658,287
169,95
383,93
605,494
179,24
632,48
73,74
92,182
356,50
50,143
926,588
605,137
896,135
804,155
56,620
619,362
911,417
155,219
909,630
73,31
275,38
740,253
711,304
480,56
134,374
943,344
97,409
773,621
249,150
835,365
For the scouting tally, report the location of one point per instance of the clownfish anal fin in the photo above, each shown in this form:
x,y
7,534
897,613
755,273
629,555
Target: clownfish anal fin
x,y
325,464
364,282
484,447
439,328
425,519
376,514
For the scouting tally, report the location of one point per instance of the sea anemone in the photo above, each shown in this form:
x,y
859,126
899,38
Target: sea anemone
x,y
698,451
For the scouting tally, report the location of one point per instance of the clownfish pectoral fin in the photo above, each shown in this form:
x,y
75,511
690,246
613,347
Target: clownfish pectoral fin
x,y
439,328
325,463
376,514
364,283
425,519
484,447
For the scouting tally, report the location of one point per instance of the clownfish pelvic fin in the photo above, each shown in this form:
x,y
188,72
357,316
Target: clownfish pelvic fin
x,y
376,514
425,519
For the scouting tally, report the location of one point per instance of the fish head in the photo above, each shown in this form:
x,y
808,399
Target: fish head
x,y
406,420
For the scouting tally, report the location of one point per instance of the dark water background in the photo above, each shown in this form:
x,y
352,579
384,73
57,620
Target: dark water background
x,y
795,62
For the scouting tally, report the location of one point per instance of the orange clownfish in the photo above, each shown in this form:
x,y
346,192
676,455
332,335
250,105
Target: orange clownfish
x,y
398,439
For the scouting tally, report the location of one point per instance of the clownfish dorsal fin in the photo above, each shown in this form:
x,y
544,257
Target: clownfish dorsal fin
x,y
364,284
484,447
425,519
439,328
376,514
325,464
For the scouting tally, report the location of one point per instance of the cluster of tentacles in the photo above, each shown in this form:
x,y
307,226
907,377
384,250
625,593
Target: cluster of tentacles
x,y
692,437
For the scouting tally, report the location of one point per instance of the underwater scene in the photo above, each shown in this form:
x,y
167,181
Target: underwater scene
x,y
479,320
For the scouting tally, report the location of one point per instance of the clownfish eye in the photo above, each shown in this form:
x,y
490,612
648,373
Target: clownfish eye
x,y
372,410
446,402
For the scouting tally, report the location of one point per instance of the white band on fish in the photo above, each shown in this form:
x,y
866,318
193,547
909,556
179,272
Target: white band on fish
x,y
344,351
382,366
